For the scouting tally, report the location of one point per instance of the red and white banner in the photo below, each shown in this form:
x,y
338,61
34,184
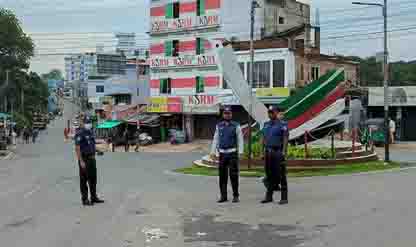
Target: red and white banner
x,y
162,25
184,61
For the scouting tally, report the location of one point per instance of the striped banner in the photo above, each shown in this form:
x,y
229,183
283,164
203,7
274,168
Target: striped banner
x,y
209,81
314,96
315,110
184,8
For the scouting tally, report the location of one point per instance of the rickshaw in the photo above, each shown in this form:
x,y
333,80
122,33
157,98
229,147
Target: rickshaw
x,y
375,127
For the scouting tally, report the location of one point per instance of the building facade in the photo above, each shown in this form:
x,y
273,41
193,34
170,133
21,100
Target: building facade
x,y
126,43
185,78
80,66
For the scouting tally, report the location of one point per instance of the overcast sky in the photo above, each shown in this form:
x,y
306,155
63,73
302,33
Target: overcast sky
x,y
61,26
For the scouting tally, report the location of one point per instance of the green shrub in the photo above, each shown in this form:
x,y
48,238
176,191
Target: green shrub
x,y
293,152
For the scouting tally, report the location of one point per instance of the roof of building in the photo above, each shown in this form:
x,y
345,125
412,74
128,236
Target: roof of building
x,y
261,44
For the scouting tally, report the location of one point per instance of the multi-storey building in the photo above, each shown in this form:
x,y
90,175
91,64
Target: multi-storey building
x,y
185,77
80,66
126,43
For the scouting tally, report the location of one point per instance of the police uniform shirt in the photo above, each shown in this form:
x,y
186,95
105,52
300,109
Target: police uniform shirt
x,y
273,133
216,142
85,139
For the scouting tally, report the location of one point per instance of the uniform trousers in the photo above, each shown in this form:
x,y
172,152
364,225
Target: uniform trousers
x,y
88,177
228,166
275,169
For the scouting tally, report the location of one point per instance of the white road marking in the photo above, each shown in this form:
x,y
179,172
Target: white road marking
x,y
28,194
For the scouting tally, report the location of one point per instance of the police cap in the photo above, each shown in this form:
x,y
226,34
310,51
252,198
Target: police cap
x,y
274,108
227,109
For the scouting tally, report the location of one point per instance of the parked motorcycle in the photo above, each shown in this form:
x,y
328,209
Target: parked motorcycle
x,y
145,139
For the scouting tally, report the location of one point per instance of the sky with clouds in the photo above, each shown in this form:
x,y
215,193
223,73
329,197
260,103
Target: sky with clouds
x,y
61,26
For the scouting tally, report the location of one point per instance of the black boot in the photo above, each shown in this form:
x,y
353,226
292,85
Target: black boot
x,y
283,199
222,200
86,202
96,200
268,198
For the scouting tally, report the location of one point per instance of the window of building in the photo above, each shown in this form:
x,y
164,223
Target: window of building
x,y
281,20
279,73
138,92
176,10
200,87
200,7
175,45
99,89
165,86
200,46
315,73
302,72
261,77
123,99
172,48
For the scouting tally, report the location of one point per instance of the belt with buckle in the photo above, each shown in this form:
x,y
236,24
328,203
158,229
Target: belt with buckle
x,y
228,151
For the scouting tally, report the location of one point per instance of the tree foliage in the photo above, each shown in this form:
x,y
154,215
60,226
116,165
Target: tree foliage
x,y
400,73
16,47
54,74
26,92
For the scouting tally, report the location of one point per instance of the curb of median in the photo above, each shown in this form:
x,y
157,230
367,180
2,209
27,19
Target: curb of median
x,y
409,166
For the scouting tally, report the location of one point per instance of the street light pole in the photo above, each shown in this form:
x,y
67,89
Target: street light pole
x,y
385,80
251,75
253,6
386,89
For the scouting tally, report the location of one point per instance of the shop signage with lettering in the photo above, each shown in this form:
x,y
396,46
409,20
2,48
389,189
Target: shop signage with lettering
x,y
198,104
187,23
273,92
185,61
165,105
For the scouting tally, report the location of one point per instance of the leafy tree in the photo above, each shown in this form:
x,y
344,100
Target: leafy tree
x,y
54,74
16,49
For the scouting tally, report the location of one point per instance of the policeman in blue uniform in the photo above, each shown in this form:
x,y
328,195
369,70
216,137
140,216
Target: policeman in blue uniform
x,y
229,144
275,141
85,151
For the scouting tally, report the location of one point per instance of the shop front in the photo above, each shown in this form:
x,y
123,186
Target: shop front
x,y
402,109
170,112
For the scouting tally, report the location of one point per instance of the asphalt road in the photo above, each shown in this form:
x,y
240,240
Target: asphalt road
x,y
147,205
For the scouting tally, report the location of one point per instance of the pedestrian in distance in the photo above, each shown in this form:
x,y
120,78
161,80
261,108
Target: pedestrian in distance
x,y
275,142
137,140
229,144
35,135
85,151
126,140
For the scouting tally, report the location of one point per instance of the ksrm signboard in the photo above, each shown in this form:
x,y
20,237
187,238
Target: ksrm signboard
x,y
398,96
201,104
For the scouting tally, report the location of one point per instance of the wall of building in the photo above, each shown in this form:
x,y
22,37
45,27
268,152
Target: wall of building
x,y
282,15
271,55
304,67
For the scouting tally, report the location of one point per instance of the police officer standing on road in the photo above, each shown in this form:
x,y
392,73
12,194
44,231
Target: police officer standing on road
x,y
229,143
85,151
275,140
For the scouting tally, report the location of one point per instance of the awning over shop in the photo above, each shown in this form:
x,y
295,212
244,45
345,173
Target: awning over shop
x,y
109,124
4,115
151,120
